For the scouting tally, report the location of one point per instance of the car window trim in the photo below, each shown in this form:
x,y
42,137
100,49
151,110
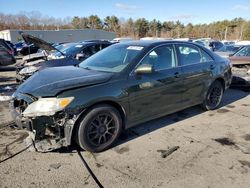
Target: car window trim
x,y
199,49
175,55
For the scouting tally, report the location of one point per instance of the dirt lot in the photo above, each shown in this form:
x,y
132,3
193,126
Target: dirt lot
x,y
214,151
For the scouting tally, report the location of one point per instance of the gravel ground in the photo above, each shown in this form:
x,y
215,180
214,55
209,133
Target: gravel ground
x,y
214,151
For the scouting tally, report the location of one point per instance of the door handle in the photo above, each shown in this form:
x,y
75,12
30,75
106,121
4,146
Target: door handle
x,y
212,67
177,75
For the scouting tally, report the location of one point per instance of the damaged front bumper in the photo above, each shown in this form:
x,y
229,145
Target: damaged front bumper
x,y
47,132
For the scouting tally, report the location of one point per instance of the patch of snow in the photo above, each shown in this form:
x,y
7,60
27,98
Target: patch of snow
x,y
5,98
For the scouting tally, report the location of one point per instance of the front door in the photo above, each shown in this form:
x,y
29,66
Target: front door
x,y
157,93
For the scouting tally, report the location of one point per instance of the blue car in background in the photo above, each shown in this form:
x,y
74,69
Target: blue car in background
x,y
70,55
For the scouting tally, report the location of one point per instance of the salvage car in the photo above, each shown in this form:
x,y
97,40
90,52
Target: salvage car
x,y
241,57
121,86
70,55
227,50
241,68
42,54
88,49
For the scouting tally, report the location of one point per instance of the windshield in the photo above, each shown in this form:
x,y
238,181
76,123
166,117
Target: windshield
x,y
228,49
73,49
112,59
245,51
64,48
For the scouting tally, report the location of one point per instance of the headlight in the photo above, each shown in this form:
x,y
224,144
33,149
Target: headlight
x,y
47,106
28,70
58,57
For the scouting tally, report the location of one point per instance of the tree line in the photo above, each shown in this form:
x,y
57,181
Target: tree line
x,y
235,29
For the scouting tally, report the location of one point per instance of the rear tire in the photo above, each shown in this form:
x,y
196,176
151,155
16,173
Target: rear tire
x,y
213,96
99,128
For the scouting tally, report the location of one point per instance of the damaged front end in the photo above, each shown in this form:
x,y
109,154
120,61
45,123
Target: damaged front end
x,y
50,127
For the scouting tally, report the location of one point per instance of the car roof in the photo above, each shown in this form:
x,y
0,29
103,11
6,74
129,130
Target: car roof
x,y
94,42
149,43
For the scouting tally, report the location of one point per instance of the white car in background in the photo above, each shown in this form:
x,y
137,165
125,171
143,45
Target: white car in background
x,y
125,39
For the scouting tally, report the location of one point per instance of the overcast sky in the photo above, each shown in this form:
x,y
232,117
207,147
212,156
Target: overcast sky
x,y
194,11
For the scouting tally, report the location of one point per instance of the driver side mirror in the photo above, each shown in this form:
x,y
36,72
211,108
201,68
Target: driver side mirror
x,y
144,69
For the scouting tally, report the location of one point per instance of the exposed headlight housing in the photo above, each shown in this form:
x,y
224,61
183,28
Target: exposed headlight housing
x,y
47,106
28,70
58,57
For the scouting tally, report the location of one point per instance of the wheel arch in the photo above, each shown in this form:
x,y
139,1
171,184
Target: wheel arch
x,y
222,81
84,111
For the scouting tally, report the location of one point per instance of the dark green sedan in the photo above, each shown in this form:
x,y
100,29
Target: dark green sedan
x,y
117,88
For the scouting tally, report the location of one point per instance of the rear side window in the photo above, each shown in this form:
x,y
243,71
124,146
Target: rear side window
x,y
245,51
205,57
189,54
162,57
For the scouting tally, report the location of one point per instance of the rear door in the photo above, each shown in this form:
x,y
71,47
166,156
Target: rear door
x,y
197,68
159,92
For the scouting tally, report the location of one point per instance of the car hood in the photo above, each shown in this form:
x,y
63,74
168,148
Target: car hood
x,y
39,43
67,61
51,81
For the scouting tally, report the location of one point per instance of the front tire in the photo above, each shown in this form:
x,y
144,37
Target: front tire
x,y
99,128
214,96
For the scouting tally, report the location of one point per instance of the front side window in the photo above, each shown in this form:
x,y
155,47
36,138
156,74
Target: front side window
x,y
162,57
192,55
205,57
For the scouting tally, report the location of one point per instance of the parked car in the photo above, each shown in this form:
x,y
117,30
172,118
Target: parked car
x,y
209,43
81,50
241,57
69,55
6,58
117,88
227,50
215,45
241,68
42,54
